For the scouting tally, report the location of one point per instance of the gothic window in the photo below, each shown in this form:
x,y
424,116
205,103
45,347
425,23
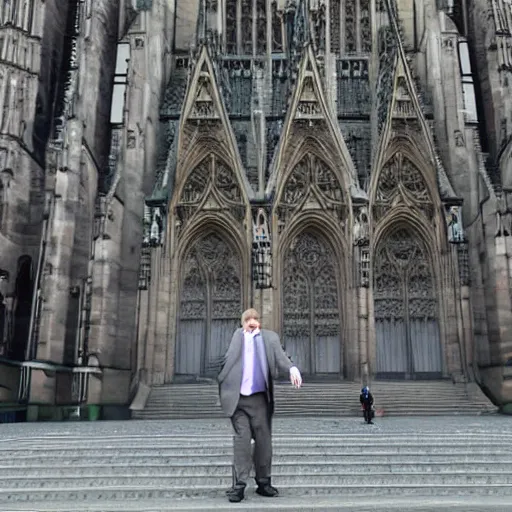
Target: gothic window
x,y
401,181
231,27
246,26
350,23
311,313
261,26
350,26
335,25
277,29
210,305
405,308
120,83
247,22
365,26
468,88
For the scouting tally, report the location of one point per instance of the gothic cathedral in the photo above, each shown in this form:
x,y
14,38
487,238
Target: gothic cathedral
x,y
343,166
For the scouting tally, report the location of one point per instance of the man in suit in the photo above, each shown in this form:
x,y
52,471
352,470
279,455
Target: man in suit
x,y
252,362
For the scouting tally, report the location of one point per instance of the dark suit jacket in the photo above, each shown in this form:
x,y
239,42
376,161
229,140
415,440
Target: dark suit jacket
x,y
230,376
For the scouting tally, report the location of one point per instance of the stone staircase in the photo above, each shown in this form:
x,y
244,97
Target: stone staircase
x,y
318,465
418,398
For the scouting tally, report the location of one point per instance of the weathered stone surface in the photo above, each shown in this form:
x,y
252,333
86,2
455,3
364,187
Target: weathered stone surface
x,y
106,228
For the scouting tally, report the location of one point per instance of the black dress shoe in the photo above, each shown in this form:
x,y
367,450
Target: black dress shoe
x,y
265,489
236,493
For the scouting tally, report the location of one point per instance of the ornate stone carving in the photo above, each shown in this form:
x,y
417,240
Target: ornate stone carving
x,y
502,10
387,54
261,251
403,279
365,26
350,26
310,292
309,105
403,107
463,261
361,227
204,106
312,185
212,185
210,304
318,22
454,224
401,182
459,139
334,20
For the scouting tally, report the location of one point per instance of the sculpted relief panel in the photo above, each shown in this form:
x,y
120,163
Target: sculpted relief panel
x,y
401,182
312,185
211,186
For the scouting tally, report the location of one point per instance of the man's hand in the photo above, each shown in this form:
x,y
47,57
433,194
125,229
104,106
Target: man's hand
x,y
295,377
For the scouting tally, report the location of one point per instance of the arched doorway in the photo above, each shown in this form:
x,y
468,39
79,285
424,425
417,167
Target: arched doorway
x,y
210,306
310,306
406,312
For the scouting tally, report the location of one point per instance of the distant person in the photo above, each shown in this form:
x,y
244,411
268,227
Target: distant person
x,y
251,364
366,399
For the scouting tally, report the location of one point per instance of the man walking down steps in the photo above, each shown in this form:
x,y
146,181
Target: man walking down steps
x,y
254,359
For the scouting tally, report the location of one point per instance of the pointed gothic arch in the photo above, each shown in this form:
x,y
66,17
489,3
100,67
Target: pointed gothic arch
x,y
311,302
310,184
406,304
210,302
211,186
404,179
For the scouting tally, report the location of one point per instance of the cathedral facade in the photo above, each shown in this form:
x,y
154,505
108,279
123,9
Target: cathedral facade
x,y
341,165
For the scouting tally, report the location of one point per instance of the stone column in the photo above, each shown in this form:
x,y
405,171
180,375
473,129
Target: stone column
x,y
503,246
56,286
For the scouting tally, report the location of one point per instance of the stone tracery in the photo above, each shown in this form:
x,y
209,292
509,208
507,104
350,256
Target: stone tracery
x,y
312,178
400,181
405,306
210,178
311,318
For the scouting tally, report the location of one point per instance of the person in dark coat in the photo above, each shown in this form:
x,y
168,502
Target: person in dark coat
x,y
366,399
253,361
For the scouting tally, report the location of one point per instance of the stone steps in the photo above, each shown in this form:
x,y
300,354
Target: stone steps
x,y
280,469
294,504
317,465
189,401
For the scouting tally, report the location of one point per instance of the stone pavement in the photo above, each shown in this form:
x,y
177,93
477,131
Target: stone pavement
x,y
434,446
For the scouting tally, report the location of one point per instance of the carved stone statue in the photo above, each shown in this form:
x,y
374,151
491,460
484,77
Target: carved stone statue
x,y
361,228
455,231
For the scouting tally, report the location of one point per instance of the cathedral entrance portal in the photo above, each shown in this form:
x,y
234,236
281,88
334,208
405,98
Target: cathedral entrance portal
x,y
406,324
311,312
210,306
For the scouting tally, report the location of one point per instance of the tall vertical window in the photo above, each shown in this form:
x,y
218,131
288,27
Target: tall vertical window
x,y
350,24
277,29
246,27
120,81
468,87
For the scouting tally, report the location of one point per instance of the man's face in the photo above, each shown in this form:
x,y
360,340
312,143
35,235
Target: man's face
x,y
251,324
